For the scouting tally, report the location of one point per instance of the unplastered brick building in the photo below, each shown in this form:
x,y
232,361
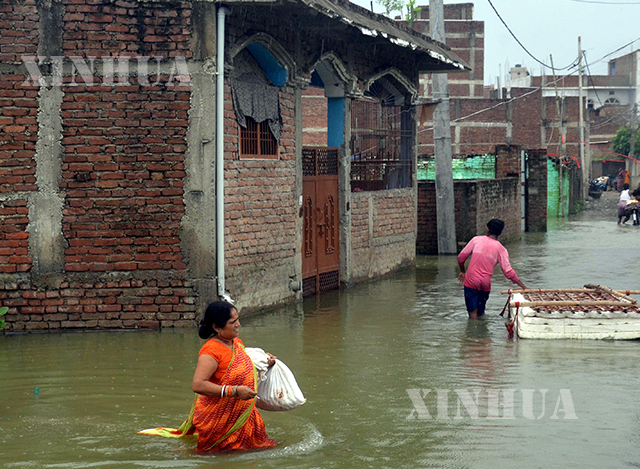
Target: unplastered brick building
x,y
534,112
152,160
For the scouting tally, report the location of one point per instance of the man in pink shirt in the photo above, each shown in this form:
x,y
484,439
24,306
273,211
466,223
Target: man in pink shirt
x,y
486,252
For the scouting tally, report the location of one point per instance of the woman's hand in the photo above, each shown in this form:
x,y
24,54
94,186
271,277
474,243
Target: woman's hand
x,y
245,392
271,360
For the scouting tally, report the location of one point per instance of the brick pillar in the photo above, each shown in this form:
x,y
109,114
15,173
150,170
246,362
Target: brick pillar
x,y
507,161
536,191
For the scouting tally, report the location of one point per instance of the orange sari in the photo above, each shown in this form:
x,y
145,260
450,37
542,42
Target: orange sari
x,y
227,423
224,423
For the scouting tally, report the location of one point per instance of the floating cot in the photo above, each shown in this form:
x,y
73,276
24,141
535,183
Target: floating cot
x,y
592,312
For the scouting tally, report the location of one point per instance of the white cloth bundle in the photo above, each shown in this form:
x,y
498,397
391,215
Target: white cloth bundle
x,y
277,387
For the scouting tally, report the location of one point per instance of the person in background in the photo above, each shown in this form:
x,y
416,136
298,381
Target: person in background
x,y
622,204
486,252
627,177
632,209
623,178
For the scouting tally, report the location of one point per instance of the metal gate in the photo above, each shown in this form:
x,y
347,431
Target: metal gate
x,y
321,235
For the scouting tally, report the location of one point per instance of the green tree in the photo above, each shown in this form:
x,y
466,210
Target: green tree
x,y
391,5
399,5
621,143
412,12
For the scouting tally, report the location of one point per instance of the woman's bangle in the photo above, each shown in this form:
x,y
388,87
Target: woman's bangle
x,y
235,391
222,391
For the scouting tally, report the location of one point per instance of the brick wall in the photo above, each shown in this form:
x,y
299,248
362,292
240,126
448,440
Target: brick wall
x,y
476,203
121,170
500,198
261,210
106,304
127,28
477,135
14,247
508,161
465,37
536,191
314,119
126,216
383,232
18,30
112,159
18,104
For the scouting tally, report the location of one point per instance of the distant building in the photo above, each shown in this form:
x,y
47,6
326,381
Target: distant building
x,y
524,111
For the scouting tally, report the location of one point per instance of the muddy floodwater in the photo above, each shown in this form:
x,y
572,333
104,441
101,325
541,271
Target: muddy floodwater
x,y
364,357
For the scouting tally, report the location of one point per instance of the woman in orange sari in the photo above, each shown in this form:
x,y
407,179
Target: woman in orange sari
x,y
225,416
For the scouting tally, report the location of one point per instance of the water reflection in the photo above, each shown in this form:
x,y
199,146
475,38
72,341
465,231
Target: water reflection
x,y
355,353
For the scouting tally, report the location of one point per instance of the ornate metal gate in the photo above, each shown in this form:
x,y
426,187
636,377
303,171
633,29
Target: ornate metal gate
x,y
321,235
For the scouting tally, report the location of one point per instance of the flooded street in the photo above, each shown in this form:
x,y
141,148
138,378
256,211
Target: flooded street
x,y
360,357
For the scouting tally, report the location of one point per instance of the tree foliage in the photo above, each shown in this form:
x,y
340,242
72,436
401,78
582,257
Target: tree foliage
x,y
399,5
621,143
391,5
412,11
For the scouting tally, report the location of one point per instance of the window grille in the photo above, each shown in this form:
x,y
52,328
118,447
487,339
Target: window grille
x,y
381,146
257,141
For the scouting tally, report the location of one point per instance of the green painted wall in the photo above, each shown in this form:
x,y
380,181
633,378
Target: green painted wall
x,y
553,190
473,167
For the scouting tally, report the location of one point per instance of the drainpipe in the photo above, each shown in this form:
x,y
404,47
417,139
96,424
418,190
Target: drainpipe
x,y
222,12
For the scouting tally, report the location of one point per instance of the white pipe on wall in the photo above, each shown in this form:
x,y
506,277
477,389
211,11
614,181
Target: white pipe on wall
x,y
220,42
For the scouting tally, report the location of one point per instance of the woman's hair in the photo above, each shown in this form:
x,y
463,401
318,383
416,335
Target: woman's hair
x,y
217,314
626,186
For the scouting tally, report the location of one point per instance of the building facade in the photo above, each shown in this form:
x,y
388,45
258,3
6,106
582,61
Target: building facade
x,y
151,156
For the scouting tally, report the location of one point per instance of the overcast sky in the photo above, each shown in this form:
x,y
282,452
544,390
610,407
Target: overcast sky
x,y
551,27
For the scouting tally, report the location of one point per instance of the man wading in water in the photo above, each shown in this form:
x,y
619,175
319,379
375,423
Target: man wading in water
x,y
486,252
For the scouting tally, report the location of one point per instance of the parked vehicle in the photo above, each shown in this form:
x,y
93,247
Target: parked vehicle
x,y
599,184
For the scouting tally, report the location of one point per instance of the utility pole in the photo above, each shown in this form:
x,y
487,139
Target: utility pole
x,y
586,166
445,206
563,148
632,137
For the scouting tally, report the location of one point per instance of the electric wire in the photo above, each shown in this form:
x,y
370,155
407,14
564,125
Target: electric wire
x,y
503,103
591,81
568,67
535,89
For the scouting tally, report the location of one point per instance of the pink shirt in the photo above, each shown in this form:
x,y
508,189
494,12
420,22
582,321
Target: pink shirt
x,y
487,252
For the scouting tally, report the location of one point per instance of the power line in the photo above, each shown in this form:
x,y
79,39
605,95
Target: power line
x,y
590,79
571,65
535,89
617,50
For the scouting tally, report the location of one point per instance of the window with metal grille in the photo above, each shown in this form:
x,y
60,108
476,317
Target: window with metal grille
x,y
257,141
381,145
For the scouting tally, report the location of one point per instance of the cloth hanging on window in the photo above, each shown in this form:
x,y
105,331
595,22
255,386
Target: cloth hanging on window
x,y
258,100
